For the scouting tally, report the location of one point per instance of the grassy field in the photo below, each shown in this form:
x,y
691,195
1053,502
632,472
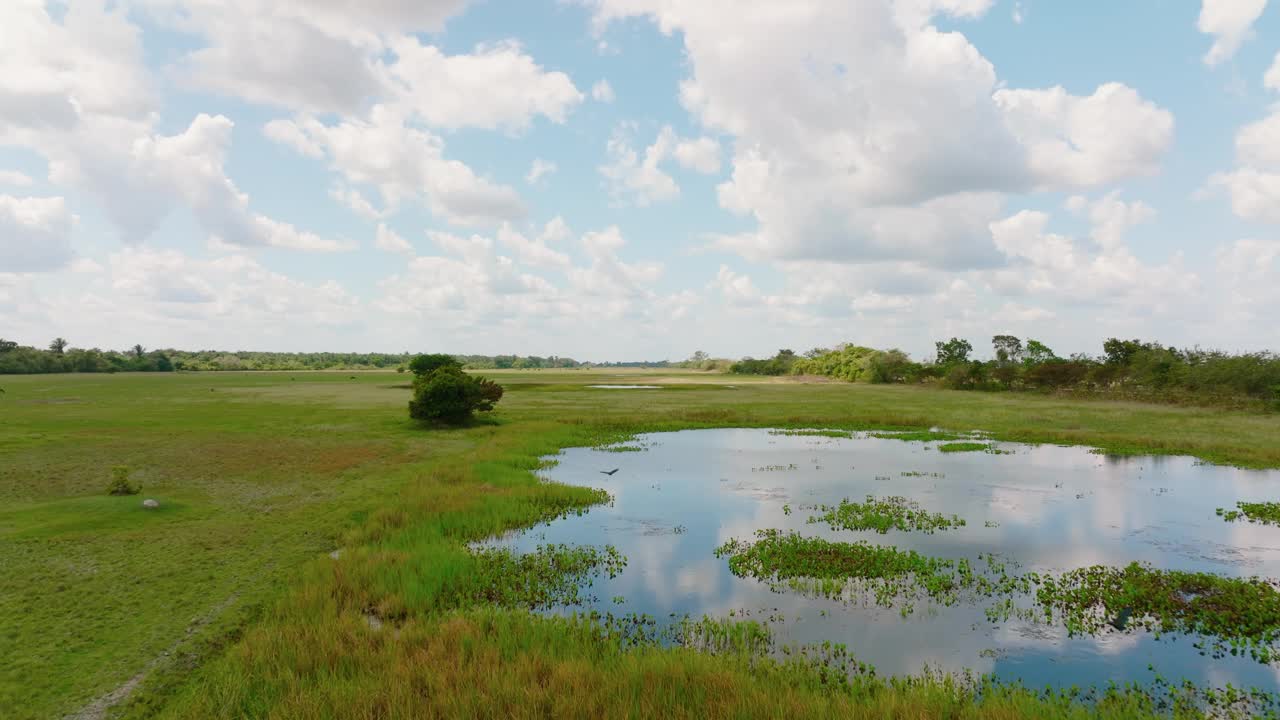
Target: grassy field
x,y
226,602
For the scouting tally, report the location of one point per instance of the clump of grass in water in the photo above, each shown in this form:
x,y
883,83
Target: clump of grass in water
x,y
830,569
1240,616
965,447
919,435
813,433
883,515
1266,513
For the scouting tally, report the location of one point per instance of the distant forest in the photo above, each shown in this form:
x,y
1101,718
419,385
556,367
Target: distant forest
x,y
1126,369
60,357
1131,369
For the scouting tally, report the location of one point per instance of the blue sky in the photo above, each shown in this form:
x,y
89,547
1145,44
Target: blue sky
x,y
727,176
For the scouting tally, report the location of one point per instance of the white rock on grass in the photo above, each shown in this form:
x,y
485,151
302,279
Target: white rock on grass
x,y
150,504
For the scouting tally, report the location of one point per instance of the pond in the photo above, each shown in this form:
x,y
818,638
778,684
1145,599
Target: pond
x,y
1040,509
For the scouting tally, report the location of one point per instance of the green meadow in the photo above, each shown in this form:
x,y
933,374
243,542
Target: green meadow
x,y
309,558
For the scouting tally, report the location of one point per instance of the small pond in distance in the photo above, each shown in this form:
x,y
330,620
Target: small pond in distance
x,y
1044,508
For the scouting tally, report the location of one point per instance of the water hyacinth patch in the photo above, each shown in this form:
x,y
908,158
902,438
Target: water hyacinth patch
x,y
1265,513
883,514
1237,615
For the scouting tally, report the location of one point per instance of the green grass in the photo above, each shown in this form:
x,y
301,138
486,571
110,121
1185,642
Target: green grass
x,y
226,603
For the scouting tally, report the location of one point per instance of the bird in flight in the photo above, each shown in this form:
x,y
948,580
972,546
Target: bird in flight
x,y
609,472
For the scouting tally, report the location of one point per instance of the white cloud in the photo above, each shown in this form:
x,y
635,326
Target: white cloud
x,y
702,155
602,91
1087,141
536,252
35,233
1049,267
497,86
1230,23
404,163
1250,274
167,289
309,55
879,120
355,201
14,178
1254,186
389,241
539,169
1255,194
639,180
736,289
1272,78
1019,14
286,132
51,73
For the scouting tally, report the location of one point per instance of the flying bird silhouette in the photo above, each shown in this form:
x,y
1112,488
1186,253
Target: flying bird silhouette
x,y
609,472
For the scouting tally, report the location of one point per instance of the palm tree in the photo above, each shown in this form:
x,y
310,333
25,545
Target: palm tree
x,y
138,351
59,345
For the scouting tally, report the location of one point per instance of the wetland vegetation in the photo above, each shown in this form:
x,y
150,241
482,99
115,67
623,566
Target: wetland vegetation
x,y
314,553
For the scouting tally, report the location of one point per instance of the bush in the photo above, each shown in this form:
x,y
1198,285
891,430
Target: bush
x,y
120,484
449,395
424,365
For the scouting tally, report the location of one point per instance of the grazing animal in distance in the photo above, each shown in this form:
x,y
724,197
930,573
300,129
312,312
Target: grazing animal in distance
x,y
609,472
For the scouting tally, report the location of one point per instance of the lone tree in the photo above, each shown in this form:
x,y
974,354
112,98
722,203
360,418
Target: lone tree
x,y
58,346
442,392
953,351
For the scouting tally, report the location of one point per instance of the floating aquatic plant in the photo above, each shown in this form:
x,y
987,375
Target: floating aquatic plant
x,y
884,514
1266,513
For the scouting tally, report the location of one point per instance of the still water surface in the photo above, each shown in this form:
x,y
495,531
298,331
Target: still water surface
x,y
1049,508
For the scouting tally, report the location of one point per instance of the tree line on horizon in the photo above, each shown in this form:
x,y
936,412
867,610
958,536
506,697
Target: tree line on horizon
x,y
1126,368
60,357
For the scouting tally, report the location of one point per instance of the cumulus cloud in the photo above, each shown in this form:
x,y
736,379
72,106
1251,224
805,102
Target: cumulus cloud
x,y
877,119
404,162
356,202
701,154
35,233
536,252
1057,268
1087,141
637,179
497,86
1230,22
13,178
1254,185
469,286
390,241
321,56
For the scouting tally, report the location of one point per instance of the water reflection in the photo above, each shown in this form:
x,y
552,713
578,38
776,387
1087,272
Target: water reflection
x,y
1047,508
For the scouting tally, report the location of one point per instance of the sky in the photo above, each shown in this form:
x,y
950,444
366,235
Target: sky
x,y
638,179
